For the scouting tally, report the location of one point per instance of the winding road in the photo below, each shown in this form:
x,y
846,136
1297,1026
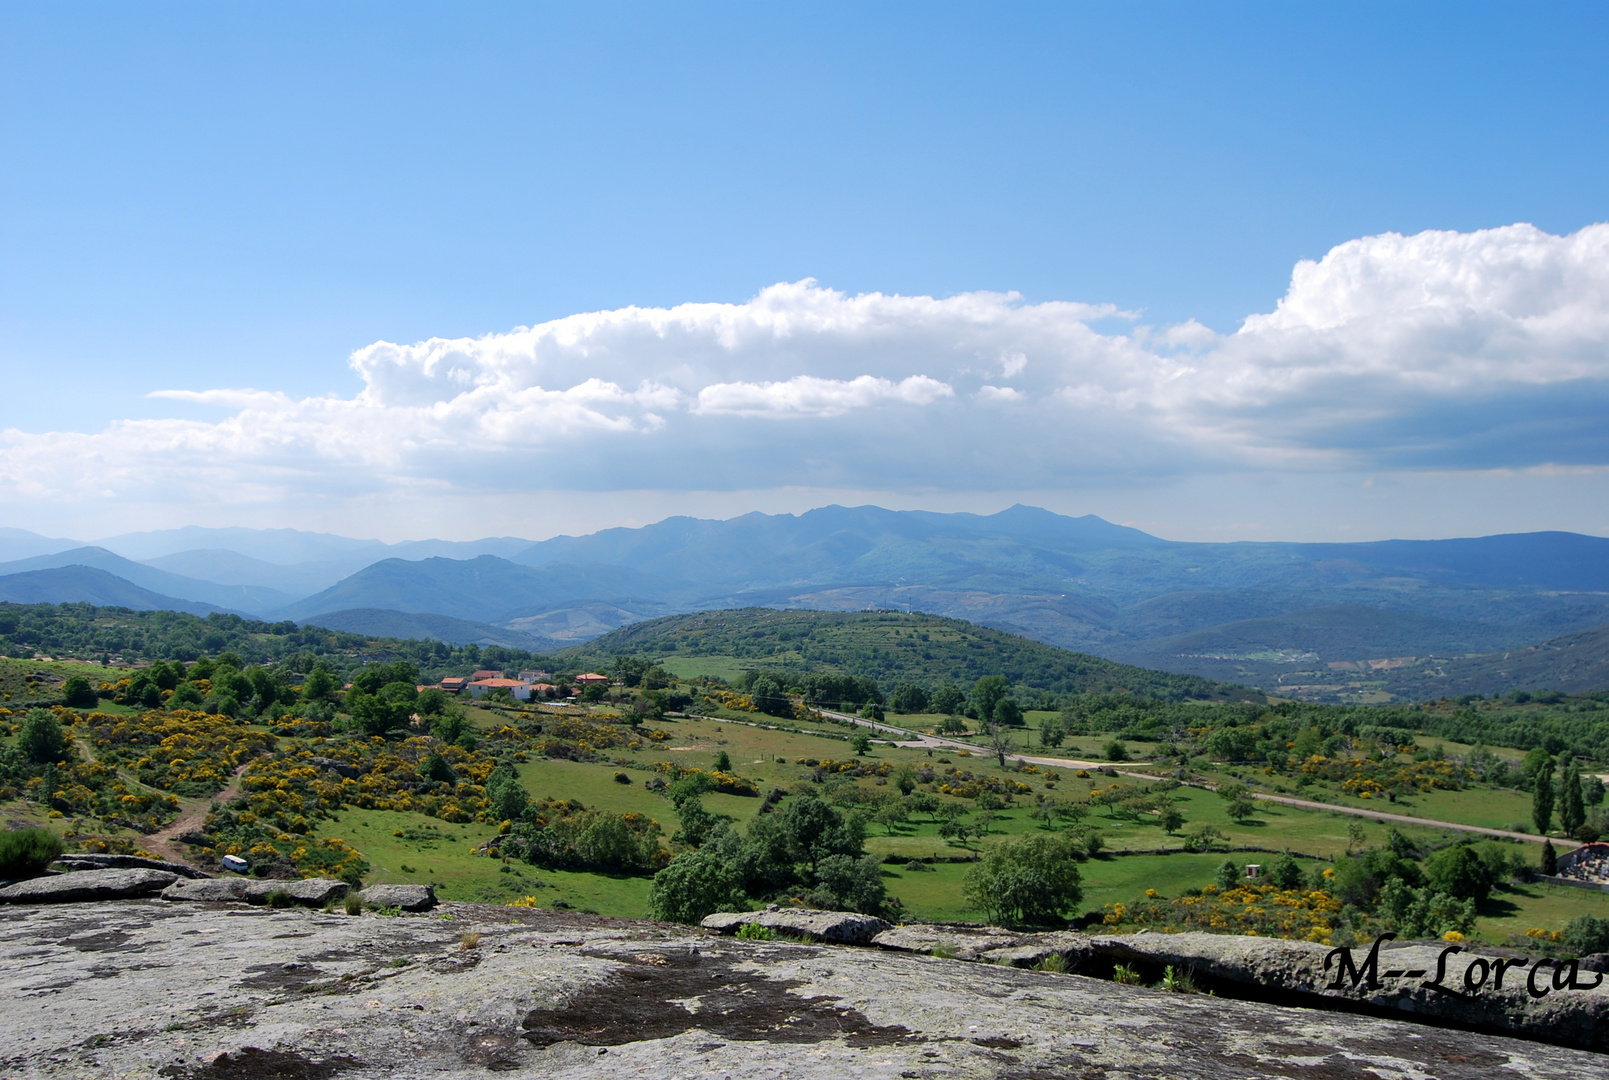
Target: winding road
x,y
922,739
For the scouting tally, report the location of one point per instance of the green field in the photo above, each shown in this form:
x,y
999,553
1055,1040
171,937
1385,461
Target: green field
x,y
411,847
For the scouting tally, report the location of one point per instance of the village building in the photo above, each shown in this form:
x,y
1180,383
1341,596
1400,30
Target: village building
x,y
520,691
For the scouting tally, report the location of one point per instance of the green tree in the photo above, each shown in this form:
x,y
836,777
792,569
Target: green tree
x,y
1008,712
438,770
905,779
1572,808
1585,935
1424,912
695,885
1458,872
849,883
947,699
769,695
723,762
697,821
908,698
1032,880
1115,751
813,830
384,711
986,693
860,742
1542,798
1229,875
507,795
890,814
1535,759
1592,791
78,694
1052,732
1172,818
375,677
320,684
1285,872
1239,797
449,726
1549,863
42,739
432,701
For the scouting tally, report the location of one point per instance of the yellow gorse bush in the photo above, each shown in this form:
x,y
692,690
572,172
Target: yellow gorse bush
x,y
1252,909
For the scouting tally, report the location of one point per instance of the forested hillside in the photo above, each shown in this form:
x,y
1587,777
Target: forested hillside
x,y
84,632
892,647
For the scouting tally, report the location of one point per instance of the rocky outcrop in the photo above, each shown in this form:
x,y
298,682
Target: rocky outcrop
x,y
406,897
1471,984
213,890
1073,951
143,990
313,892
957,942
339,768
91,861
85,885
833,927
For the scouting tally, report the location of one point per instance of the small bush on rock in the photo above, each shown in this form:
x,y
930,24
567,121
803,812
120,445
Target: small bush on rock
x,y
25,853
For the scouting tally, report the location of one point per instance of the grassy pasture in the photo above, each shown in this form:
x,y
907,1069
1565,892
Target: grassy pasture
x,y
430,850
16,692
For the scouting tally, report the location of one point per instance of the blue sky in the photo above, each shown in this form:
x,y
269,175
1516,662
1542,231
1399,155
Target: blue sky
x,y
209,198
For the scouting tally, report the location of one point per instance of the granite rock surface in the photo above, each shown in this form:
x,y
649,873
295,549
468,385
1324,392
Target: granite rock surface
x,y
833,927
146,989
86,885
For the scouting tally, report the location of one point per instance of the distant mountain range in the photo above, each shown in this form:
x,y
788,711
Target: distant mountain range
x,y
1245,612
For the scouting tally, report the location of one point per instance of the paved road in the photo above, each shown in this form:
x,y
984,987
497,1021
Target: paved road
x,y
917,738
1381,815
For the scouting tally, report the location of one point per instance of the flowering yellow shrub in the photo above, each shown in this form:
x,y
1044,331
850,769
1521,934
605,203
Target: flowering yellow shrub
x,y
1367,778
731,699
1252,908
195,752
725,782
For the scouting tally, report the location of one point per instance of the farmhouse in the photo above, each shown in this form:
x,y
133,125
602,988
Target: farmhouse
x,y
520,691
454,683
591,678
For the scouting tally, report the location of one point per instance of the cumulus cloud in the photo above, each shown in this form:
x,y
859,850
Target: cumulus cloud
x,y
1487,349
806,395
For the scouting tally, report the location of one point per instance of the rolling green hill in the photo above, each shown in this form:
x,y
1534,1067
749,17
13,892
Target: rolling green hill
x,y
890,647
119,634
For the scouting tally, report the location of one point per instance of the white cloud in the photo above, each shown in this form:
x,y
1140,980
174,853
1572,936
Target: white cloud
x,y
1442,350
806,395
